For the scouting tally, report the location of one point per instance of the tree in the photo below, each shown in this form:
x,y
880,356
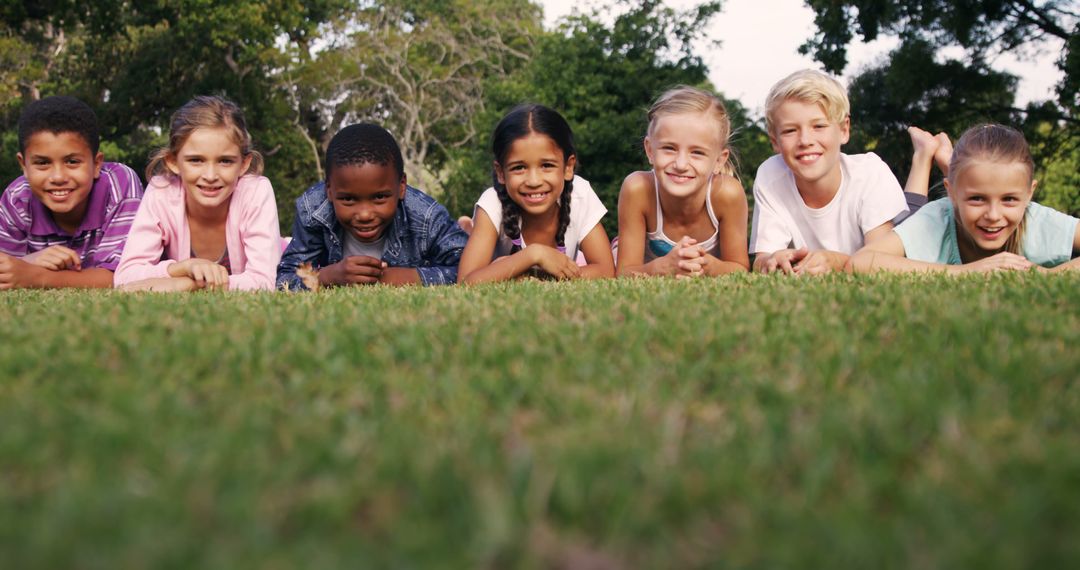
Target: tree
x,y
602,78
913,88
419,69
982,27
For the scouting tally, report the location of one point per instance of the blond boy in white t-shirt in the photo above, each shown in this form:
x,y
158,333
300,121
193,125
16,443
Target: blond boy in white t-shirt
x,y
813,205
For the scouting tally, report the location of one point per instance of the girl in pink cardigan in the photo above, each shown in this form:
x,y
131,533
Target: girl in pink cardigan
x,y
208,219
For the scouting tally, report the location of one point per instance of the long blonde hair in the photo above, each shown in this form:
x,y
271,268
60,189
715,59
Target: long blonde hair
x,y
685,99
994,143
205,111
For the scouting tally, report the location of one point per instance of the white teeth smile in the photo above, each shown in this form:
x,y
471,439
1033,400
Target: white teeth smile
x,y
59,193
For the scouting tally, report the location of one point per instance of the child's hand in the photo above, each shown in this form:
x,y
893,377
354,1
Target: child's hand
x,y
204,272
943,154
815,263
353,270
1003,261
554,262
16,273
689,258
784,259
55,258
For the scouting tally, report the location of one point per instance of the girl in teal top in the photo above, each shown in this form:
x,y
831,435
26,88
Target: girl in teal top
x,y
988,221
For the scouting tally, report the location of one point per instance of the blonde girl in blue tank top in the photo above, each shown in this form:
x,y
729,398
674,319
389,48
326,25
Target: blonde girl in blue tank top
x,y
687,216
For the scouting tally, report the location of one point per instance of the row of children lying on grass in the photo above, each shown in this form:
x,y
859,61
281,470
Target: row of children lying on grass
x,y
209,218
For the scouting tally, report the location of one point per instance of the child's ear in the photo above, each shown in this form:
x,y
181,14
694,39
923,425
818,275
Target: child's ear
x,y
403,186
845,130
568,171
648,150
721,161
246,164
22,162
775,145
1031,192
498,172
948,189
99,161
170,163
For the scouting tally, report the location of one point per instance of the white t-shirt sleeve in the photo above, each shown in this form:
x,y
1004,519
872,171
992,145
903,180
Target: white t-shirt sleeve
x,y
489,202
769,231
586,210
882,197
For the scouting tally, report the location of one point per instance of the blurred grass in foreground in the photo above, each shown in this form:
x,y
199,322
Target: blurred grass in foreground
x,y
741,422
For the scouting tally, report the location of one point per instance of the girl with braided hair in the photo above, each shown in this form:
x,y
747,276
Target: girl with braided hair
x,y
538,214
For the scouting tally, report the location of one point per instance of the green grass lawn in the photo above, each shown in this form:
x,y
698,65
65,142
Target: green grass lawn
x,y
742,422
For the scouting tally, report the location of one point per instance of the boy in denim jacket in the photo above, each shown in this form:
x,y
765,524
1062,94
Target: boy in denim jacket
x,y
365,225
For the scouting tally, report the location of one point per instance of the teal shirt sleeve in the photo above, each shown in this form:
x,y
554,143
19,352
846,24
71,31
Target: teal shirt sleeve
x,y
930,234
1048,236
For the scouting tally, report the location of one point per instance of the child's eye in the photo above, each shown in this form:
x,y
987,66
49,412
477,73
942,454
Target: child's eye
x,y
227,161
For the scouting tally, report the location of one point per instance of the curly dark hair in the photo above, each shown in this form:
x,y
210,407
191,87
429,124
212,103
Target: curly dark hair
x,y
59,114
520,122
363,143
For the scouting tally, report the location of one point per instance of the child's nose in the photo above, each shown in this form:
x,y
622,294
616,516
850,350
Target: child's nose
x,y
57,174
365,214
682,159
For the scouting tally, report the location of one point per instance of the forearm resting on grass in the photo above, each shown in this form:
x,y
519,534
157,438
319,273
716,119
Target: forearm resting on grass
x,y
511,266
162,285
18,274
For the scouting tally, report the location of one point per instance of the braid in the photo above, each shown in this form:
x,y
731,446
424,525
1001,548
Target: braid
x,y
564,213
511,215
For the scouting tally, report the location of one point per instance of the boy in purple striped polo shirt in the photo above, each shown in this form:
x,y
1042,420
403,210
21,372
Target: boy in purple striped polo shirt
x,y
64,222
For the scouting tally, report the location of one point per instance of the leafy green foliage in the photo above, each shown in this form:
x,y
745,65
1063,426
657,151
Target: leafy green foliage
x,y
918,86
602,78
913,88
793,423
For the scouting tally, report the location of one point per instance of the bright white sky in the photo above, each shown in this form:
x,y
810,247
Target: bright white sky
x,y
760,42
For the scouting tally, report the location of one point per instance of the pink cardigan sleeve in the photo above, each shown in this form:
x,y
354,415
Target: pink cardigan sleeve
x,y
145,242
260,238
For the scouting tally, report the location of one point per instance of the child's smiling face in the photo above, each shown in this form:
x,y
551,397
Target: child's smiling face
x,y
686,151
60,169
365,197
809,142
991,199
209,164
535,173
